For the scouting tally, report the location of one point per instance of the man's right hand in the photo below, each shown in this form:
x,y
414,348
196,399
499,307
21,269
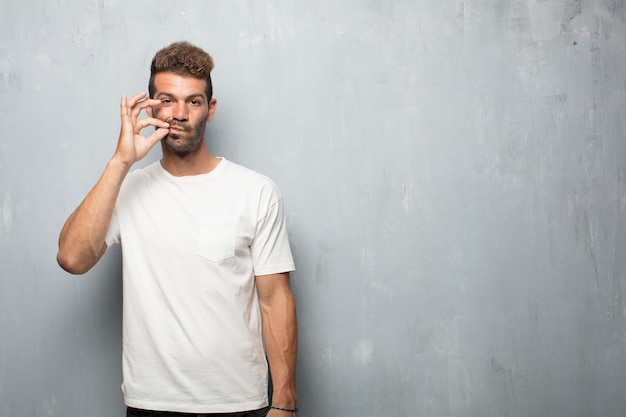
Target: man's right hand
x,y
132,146
82,240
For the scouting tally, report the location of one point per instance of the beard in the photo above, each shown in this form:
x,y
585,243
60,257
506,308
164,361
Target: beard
x,y
184,141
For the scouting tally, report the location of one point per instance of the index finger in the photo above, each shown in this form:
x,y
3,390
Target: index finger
x,y
139,106
136,98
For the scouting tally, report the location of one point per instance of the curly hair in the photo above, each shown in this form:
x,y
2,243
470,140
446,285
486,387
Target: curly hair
x,y
184,59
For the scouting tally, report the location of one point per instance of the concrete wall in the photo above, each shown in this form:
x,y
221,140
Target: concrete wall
x,y
454,175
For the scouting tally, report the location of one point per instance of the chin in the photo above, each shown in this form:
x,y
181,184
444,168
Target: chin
x,y
178,147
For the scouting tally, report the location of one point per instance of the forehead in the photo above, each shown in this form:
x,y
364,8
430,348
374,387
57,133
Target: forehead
x,y
178,85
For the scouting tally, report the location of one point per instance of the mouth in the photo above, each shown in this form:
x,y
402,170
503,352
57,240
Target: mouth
x,y
176,125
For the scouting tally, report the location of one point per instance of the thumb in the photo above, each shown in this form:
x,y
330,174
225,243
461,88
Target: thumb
x,y
144,147
156,136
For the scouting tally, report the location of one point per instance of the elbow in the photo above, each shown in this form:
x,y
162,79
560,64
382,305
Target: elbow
x,y
72,263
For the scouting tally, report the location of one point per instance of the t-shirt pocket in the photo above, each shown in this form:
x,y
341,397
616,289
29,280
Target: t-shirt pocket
x,y
216,240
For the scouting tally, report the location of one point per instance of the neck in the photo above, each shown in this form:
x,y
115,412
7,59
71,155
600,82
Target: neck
x,y
199,161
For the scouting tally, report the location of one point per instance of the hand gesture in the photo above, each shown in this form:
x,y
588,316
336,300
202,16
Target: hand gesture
x,y
132,146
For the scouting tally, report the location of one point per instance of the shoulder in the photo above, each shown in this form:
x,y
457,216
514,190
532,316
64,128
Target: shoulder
x,y
140,178
251,180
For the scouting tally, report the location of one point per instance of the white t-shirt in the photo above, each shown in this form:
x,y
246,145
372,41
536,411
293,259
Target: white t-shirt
x,y
191,247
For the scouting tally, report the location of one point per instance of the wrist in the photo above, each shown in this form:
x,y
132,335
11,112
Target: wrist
x,y
287,409
120,164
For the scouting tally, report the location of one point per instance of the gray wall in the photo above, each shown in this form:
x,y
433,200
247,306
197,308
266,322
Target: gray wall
x,y
454,174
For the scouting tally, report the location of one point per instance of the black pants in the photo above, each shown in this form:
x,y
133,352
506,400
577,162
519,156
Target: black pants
x,y
136,412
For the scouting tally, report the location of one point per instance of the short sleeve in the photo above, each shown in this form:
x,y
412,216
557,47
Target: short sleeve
x,y
113,232
270,249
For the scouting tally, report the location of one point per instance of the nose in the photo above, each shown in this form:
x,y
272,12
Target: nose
x,y
180,112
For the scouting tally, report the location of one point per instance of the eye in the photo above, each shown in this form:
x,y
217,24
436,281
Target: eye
x,y
166,101
196,102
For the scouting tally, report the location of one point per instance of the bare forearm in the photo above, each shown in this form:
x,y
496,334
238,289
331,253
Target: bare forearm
x,y
281,340
81,243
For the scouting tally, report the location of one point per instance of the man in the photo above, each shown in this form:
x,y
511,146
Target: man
x,y
206,258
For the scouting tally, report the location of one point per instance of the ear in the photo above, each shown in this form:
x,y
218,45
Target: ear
x,y
212,106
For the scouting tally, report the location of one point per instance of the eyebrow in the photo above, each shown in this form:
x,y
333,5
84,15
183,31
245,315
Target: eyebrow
x,y
199,95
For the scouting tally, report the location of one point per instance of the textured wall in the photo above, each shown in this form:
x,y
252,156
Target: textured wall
x,y
454,175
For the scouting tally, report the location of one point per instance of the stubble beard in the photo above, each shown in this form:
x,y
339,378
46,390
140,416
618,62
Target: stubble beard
x,y
186,142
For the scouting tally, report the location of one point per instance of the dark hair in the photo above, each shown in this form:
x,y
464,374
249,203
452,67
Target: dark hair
x,y
184,59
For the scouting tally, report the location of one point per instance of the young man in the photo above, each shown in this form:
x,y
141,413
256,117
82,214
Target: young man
x,y
206,258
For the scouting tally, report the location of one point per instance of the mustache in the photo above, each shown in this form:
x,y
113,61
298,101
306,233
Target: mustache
x,y
180,125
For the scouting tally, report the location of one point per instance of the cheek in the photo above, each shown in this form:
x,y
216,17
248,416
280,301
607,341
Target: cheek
x,y
203,117
162,113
